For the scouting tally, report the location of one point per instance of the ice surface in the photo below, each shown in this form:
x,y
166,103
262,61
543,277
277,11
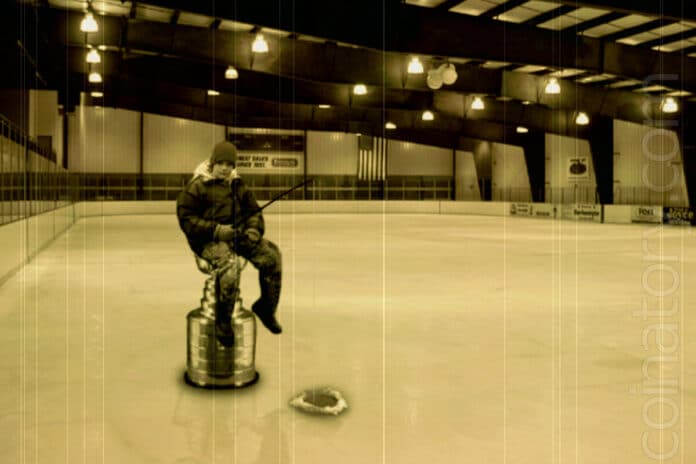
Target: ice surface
x,y
453,339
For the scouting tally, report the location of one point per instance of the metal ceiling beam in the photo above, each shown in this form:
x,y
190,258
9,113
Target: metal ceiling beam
x,y
590,23
669,38
450,112
288,57
648,65
502,8
508,42
596,101
243,112
686,51
447,4
375,24
636,30
337,63
325,74
520,44
677,11
134,10
555,13
519,86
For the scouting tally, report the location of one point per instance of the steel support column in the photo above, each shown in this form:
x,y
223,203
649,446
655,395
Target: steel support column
x,y
602,147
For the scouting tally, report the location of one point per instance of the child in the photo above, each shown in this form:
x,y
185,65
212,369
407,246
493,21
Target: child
x,y
221,218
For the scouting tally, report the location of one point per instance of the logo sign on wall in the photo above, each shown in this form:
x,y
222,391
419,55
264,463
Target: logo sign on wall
x,y
679,215
578,168
266,163
583,212
545,210
521,209
650,214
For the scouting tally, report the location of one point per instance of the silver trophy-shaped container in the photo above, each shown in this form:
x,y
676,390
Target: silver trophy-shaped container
x,y
210,364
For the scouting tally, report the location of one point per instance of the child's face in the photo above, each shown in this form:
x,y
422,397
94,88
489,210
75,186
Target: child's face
x,y
222,169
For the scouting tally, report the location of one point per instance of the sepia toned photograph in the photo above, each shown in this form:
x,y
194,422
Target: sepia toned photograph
x,y
366,231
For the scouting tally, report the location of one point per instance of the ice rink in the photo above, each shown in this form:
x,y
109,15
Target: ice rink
x,y
453,339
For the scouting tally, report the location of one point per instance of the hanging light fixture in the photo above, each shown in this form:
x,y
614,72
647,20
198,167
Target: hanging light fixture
x,y
552,87
582,119
93,56
390,125
522,130
427,115
213,93
95,77
88,23
415,66
324,106
97,94
359,89
231,73
259,45
669,105
478,104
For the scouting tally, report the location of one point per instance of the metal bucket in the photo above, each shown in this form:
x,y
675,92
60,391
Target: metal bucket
x,y
212,365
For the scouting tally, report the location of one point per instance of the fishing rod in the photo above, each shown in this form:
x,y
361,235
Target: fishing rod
x,y
273,200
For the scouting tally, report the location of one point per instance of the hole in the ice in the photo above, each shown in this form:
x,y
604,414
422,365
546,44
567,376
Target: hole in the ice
x,y
320,401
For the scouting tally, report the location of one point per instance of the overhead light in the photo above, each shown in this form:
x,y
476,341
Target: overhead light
x,y
427,115
359,89
415,66
213,93
390,125
582,119
669,105
522,130
88,23
324,107
93,56
95,77
97,94
449,74
260,45
231,73
477,104
552,86
526,102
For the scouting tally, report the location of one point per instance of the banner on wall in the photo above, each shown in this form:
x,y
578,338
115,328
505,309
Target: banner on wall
x,y
578,168
649,214
267,163
582,212
543,210
679,215
521,209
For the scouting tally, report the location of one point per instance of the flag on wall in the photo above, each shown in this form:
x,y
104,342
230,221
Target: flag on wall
x,y
372,159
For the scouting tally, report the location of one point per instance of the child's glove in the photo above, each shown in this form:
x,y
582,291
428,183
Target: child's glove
x,y
253,235
225,233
